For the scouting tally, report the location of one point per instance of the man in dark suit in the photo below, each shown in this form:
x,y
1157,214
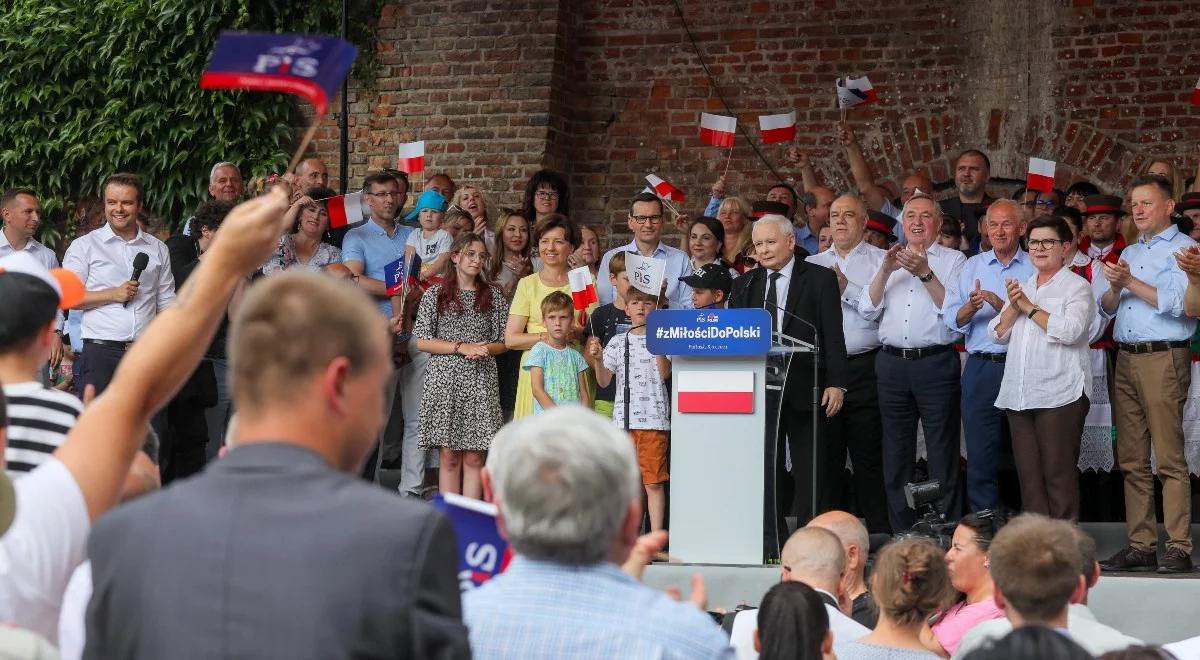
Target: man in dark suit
x,y
277,550
808,293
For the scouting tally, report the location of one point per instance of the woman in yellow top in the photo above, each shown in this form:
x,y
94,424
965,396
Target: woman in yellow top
x,y
556,238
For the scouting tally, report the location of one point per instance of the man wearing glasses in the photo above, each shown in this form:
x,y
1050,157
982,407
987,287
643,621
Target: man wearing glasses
x,y
646,221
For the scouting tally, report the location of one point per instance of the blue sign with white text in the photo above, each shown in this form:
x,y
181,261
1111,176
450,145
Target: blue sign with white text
x,y
708,332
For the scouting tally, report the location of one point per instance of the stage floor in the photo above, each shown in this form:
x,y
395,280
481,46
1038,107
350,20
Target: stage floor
x,y
1157,609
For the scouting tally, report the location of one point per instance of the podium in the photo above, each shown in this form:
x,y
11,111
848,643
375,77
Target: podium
x,y
724,363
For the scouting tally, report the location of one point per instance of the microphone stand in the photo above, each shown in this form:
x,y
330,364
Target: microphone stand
x,y
816,397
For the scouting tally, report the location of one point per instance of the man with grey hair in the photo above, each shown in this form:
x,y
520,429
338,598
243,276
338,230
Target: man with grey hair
x,y
568,490
857,544
813,556
225,182
917,367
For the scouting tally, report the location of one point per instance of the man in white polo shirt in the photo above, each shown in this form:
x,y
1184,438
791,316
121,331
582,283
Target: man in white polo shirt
x,y
21,213
117,306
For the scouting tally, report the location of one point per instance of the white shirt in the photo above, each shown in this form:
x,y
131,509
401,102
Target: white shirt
x,y
741,637
430,248
1095,637
782,284
649,406
858,267
72,628
38,554
907,314
103,261
1048,368
43,254
679,295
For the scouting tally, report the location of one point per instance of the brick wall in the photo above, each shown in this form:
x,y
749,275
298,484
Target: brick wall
x,y
610,90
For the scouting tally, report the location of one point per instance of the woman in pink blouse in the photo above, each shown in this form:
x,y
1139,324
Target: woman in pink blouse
x,y
967,562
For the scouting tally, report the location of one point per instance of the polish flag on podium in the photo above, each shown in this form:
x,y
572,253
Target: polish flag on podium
x,y
664,189
412,157
716,392
717,130
1196,94
1041,175
777,128
346,210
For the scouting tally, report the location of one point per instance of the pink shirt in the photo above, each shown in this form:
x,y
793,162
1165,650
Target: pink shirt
x,y
960,618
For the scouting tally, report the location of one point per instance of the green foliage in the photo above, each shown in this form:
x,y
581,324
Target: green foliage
x,y
92,87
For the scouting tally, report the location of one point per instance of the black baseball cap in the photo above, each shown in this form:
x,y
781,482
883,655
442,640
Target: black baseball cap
x,y
710,276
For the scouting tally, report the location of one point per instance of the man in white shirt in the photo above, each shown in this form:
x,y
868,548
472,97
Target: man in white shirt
x,y
814,556
21,212
858,427
917,366
1035,562
646,222
117,306
58,501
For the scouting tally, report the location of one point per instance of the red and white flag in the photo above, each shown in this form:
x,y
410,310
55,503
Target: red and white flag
x,y
583,289
1196,94
346,210
412,157
855,91
1041,175
664,189
715,391
777,128
717,130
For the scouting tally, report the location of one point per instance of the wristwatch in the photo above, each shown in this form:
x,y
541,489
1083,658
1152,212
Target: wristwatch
x,y
927,277
1034,310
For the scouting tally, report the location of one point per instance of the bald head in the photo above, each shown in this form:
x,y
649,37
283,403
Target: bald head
x,y
848,221
846,526
913,183
815,557
312,174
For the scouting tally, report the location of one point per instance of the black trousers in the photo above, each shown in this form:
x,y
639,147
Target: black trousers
x,y
858,428
99,365
925,390
182,451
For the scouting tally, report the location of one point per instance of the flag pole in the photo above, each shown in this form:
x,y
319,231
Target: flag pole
x,y
728,160
308,136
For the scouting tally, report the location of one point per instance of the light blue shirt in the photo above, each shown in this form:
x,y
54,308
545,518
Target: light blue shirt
x,y
679,295
1153,262
991,274
806,239
540,609
373,248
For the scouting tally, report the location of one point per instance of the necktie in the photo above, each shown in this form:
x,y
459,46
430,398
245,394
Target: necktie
x,y
773,302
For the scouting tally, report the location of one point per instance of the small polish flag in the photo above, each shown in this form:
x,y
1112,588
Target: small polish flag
x,y
346,210
583,290
664,189
1041,175
777,128
855,91
717,130
715,391
412,157
1196,94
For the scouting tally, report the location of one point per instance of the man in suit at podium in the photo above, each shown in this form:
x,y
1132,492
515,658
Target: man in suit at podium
x,y
800,297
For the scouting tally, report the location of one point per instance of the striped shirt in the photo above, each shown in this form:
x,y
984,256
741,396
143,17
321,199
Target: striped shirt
x,y
38,421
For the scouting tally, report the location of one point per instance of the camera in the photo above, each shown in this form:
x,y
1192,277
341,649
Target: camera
x,y
923,497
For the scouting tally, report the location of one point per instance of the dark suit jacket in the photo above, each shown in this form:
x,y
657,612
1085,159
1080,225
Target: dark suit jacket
x,y
270,553
813,296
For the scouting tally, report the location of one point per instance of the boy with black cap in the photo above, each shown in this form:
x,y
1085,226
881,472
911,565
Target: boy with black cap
x,y
880,230
710,284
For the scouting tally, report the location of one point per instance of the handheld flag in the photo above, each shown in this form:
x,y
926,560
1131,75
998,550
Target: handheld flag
x,y
1196,94
664,189
1041,175
310,66
583,289
393,277
482,552
717,130
645,273
412,157
777,128
346,210
855,91
414,270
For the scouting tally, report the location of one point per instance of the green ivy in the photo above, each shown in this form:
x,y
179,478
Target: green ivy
x,y
92,87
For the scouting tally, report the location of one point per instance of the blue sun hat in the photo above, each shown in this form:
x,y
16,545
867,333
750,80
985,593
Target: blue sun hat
x,y
430,199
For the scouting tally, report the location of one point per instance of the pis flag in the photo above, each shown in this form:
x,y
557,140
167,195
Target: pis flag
x,y
311,66
482,552
852,92
1041,175
716,391
645,273
412,157
777,128
346,210
717,130
393,277
664,189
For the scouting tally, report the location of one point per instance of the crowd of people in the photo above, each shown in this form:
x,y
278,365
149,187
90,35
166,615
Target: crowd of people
x,y
271,365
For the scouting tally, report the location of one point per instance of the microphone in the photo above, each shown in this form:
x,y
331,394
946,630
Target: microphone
x,y
140,261
790,314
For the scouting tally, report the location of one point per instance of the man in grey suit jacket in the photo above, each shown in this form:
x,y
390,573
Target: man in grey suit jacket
x,y
276,551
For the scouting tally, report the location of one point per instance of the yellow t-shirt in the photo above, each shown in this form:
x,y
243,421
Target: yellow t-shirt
x,y
527,302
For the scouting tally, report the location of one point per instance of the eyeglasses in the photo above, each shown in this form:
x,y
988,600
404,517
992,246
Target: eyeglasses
x,y
546,194
643,219
1040,202
385,195
1044,243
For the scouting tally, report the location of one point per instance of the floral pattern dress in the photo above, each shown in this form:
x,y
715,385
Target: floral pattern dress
x,y
286,258
460,400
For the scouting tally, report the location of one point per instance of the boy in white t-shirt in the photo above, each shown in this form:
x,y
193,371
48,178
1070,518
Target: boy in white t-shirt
x,y
431,243
649,409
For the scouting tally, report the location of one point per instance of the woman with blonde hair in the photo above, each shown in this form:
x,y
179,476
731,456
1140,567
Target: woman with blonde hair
x,y
735,216
1167,170
471,199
